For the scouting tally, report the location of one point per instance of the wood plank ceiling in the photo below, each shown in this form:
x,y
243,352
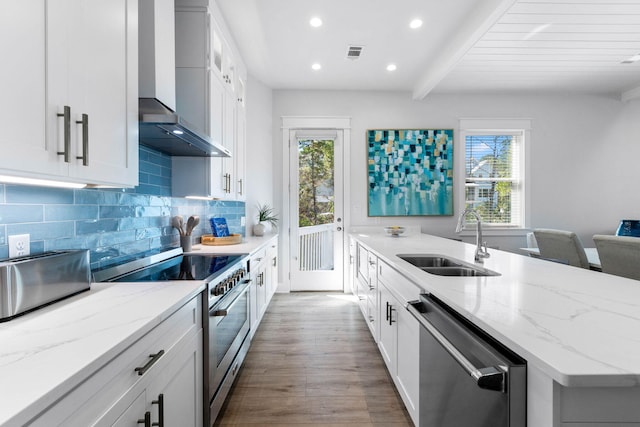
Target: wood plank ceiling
x,y
546,45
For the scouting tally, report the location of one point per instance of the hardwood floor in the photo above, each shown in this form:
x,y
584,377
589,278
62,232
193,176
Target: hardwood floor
x,y
313,362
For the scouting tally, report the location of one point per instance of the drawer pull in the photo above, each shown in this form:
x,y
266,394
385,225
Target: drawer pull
x,y
146,420
150,363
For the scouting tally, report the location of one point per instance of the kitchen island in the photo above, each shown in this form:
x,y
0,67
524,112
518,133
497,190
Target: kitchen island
x,y
579,330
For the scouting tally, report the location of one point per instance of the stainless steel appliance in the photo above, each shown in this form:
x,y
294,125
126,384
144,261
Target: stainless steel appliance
x,y
28,283
160,126
467,378
226,307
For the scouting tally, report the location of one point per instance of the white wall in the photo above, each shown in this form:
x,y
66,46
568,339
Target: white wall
x,y
584,152
260,181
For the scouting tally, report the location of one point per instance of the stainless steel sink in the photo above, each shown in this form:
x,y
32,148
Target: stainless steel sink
x,y
459,271
430,261
444,266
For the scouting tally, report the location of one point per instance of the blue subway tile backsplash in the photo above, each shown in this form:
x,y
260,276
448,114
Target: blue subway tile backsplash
x,y
114,224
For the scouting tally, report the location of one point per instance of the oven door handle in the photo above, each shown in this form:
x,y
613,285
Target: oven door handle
x,y
223,311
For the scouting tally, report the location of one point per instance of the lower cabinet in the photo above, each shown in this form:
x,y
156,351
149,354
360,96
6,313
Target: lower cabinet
x,y
263,265
156,381
174,398
272,270
399,344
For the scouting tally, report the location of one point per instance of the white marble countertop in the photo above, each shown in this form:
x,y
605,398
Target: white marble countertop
x,y
248,245
46,353
580,327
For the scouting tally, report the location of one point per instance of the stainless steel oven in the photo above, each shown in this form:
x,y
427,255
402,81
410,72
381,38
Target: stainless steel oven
x,y
228,338
225,308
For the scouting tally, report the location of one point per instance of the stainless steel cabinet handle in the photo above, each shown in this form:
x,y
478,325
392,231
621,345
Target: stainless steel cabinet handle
x,y
154,358
85,139
146,420
388,310
67,133
240,186
160,403
490,378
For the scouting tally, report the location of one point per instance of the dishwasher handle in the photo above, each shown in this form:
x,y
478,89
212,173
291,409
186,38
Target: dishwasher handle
x,y
489,378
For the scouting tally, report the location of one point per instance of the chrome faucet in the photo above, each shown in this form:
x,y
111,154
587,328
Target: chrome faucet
x,y
481,247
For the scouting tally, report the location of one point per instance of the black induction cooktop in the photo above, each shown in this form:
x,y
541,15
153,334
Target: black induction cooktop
x,y
183,267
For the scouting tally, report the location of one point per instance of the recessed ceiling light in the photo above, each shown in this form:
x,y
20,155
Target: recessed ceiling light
x,y
316,66
391,67
416,23
315,22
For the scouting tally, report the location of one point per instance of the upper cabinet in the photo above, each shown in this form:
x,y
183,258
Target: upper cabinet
x,y
70,86
210,92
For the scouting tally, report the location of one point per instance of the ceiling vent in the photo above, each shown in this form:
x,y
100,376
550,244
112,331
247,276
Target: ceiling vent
x,y
354,52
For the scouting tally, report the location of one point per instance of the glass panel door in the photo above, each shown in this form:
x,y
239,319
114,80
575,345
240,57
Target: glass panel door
x,y
316,214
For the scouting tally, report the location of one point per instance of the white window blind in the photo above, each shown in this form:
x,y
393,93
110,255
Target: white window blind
x,y
494,176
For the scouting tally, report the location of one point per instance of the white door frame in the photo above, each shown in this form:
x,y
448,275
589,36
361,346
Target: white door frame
x,y
290,123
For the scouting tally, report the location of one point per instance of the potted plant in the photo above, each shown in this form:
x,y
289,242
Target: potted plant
x,y
266,215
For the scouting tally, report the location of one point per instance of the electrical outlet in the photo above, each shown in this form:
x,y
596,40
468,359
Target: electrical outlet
x,y
19,245
242,221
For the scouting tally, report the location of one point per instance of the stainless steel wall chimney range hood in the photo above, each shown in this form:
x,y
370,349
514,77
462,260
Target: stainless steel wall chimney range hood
x,y
160,126
166,131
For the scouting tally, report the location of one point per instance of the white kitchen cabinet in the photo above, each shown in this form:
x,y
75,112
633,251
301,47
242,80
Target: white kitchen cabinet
x,y
388,329
71,102
366,279
351,275
263,264
362,278
208,72
399,341
258,268
272,269
119,393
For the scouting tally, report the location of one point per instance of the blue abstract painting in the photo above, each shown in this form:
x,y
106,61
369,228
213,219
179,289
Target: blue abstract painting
x,y
410,172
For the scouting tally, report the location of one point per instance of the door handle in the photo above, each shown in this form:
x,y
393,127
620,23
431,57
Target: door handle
x,y
85,140
67,133
160,403
146,420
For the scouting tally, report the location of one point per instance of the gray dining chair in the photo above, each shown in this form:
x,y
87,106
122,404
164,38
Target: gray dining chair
x,y
561,246
619,255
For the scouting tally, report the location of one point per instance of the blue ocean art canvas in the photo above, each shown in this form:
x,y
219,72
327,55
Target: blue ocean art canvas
x,y
410,172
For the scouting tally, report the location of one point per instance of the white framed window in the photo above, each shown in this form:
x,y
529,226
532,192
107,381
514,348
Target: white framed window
x,y
495,170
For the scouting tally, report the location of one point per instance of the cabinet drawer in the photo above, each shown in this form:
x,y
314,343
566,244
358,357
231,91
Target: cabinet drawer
x,y
400,286
101,390
258,256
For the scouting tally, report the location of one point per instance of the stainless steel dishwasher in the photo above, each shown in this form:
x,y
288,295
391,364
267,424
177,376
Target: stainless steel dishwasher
x,y
467,378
